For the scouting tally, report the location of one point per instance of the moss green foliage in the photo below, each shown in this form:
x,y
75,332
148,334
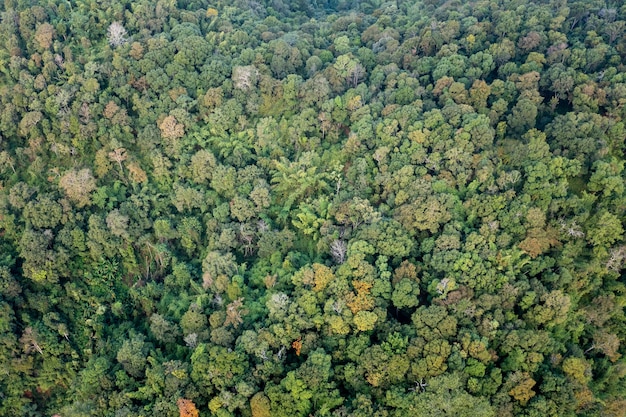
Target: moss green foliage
x,y
312,208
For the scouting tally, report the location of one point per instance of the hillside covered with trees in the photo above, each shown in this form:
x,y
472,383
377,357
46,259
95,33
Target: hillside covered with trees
x,y
312,208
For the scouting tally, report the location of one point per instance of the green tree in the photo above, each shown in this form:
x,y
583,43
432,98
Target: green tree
x,y
133,355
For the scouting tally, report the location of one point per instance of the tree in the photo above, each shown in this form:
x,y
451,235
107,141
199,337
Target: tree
x,y
234,311
116,34
245,78
338,251
607,343
215,368
260,405
132,355
43,263
78,185
187,408
171,129
44,35
119,155
365,320
117,223
606,230
445,394
30,341
43,213
578,369
423,214
136,174
294,181
405,294
202,165
350,68
194,322
523,115
356,212
162,329
522,391
433,322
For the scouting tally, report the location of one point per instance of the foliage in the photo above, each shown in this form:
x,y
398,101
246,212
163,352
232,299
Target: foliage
x,y
331,208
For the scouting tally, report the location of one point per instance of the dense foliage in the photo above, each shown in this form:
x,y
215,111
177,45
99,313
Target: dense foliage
x,y
326,208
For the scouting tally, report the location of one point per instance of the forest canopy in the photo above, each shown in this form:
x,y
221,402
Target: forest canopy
x,y
327,208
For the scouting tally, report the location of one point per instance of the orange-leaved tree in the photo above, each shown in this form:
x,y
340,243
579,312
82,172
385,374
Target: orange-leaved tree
x,y
187,408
